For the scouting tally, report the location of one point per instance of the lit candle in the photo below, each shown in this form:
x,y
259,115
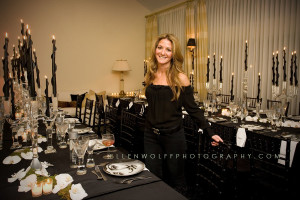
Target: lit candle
x,y
258,88
292,66
37,189
214,64
246,56
54,67
273,69
284,65
231,90
47,186
295,73
221,80
277,73
22,27
207,74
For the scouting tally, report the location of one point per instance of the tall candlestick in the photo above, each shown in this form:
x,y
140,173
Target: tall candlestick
x,y
258,88
221,80
273,69
5,68
22,27
13,109
54,68
292,66
231,90
47,98
246,56
37,70
277,73
207,74
295,73
284,65
214,64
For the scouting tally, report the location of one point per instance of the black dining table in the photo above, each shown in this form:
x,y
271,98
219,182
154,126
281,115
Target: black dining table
x,y
152,188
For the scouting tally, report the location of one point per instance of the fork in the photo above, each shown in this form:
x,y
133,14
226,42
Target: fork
x,y
98,177
98,170
130,180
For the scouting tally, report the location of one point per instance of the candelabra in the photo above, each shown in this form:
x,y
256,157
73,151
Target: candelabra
x,y
214,91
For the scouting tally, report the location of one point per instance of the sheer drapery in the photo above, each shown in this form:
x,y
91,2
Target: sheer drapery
x,y
173,21
268,25
151,34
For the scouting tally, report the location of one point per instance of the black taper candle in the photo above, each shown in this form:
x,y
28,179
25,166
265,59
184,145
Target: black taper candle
x,y
22,27
221,62
258,88
284,65
5,68
30,65
273,69
54,68
207,74
292,66
295,73
214,64
277,73
246,56
47,98
13,108
231,90
37,70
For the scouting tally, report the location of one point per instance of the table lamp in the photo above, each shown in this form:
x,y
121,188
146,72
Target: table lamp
x,y
121,66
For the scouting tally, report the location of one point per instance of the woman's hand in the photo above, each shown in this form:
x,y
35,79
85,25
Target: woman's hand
x,y
216,139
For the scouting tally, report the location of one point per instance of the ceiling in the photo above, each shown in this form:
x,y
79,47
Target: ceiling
x,y
155,4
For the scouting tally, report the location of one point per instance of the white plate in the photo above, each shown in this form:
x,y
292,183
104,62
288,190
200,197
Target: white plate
x,y
99,145
83,130
127,168
70,119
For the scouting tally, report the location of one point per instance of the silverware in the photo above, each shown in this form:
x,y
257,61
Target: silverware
x,y
98,170
98,177
130,180
97,153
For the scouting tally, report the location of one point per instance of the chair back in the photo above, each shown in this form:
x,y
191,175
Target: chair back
x,y
88,111
79,107
99,117
127,133
251,102
225,98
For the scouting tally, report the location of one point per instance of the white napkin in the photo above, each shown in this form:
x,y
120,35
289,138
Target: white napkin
x,y
11,160
77,192
130,104
42,139
283,152
290,123
249,118
263,120
241,137
118,103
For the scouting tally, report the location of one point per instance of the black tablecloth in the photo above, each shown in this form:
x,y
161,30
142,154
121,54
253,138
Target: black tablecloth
x,y
152,188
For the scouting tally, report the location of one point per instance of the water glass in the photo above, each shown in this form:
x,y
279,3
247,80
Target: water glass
x,y
90,150
80,147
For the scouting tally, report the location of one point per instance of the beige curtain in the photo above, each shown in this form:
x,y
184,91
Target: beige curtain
x,y
201,50
151,34
189,33
268,25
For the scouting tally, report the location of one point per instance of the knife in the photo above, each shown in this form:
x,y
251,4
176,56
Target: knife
x,y
98,170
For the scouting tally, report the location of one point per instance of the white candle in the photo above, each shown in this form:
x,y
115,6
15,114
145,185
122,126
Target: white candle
x,y
47,186
37,189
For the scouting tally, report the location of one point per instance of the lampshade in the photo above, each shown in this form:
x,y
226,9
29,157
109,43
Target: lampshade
x,y
191,43
121,65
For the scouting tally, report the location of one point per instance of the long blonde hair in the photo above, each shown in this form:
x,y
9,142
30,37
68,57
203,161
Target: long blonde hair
x,y
174,69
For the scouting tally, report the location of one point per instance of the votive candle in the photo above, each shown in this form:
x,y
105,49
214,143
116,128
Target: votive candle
x,y
47,186
37,189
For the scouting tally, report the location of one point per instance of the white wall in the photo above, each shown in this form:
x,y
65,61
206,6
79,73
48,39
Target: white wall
x,y
90,35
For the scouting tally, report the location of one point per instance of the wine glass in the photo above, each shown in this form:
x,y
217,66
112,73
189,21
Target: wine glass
x,y
14,124
62,129
49,122
80,147
90,150
206,104
108,139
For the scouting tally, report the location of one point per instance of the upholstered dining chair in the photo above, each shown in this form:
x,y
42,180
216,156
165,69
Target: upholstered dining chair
x,y
88,111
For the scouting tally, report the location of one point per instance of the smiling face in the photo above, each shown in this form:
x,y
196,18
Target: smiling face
x,y
163,52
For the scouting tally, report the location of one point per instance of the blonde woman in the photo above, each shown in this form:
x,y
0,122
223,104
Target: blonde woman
x,y
168,89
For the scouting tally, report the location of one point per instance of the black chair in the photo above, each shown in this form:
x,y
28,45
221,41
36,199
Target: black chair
x,y
266,172
225,99
127,133
209,96
99,117
79,107
274,103
251,102
112,122
88,111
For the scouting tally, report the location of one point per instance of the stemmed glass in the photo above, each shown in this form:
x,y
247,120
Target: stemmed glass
x,y
108,139
90,150
233,111
270,114
49,122
206,105
62,130
14,130
80,147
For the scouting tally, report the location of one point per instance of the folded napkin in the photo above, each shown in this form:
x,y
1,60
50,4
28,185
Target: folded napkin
x,y
77,192
283,151
241,137
263,120
11,160
118,103
42,139
249,118
290,123
130,104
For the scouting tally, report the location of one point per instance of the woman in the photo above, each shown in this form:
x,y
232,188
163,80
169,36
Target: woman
x,y
167,90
